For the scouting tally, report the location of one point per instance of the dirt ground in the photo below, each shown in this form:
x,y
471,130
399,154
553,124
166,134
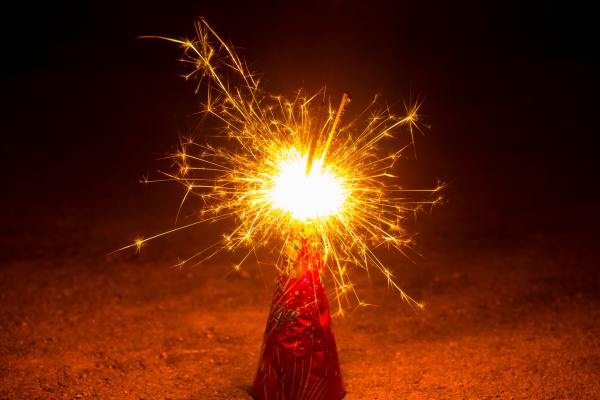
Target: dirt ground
x,y
509,318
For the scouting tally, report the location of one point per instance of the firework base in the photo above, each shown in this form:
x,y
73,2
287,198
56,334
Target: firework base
x,y
298,357
256,398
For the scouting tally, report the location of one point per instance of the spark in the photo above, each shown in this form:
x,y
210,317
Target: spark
x,y
139,243
266,181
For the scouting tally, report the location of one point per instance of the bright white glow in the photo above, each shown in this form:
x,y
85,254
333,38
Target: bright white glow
x,y
319,195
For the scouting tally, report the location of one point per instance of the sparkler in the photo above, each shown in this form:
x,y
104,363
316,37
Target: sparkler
x,y
291,163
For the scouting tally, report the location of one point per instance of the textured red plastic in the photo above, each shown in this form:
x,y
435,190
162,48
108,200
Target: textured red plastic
x,y
298,359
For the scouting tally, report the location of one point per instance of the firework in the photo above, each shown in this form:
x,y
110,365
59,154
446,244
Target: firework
x,y
290,162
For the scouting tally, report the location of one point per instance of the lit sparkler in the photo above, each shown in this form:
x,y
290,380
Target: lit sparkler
x,y
290,162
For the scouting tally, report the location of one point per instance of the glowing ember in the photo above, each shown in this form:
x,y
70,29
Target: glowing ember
x,y
320,195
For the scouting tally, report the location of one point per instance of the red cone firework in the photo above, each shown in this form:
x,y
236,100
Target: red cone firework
x,y
298,359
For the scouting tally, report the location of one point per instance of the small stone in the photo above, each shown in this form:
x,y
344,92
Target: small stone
x,y
163,355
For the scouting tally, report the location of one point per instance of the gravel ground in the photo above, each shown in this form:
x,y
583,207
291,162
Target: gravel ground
x,y
505,318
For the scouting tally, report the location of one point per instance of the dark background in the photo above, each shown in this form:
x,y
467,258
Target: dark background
x,y
511,91
509,269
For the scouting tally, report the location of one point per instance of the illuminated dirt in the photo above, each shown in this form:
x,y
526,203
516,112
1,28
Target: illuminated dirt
x,y
505,318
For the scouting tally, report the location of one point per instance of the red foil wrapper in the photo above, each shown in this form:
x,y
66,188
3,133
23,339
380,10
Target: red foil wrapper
x,y
298,358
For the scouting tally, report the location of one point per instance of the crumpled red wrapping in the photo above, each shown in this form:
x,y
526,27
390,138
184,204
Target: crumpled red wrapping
x,y
298,359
